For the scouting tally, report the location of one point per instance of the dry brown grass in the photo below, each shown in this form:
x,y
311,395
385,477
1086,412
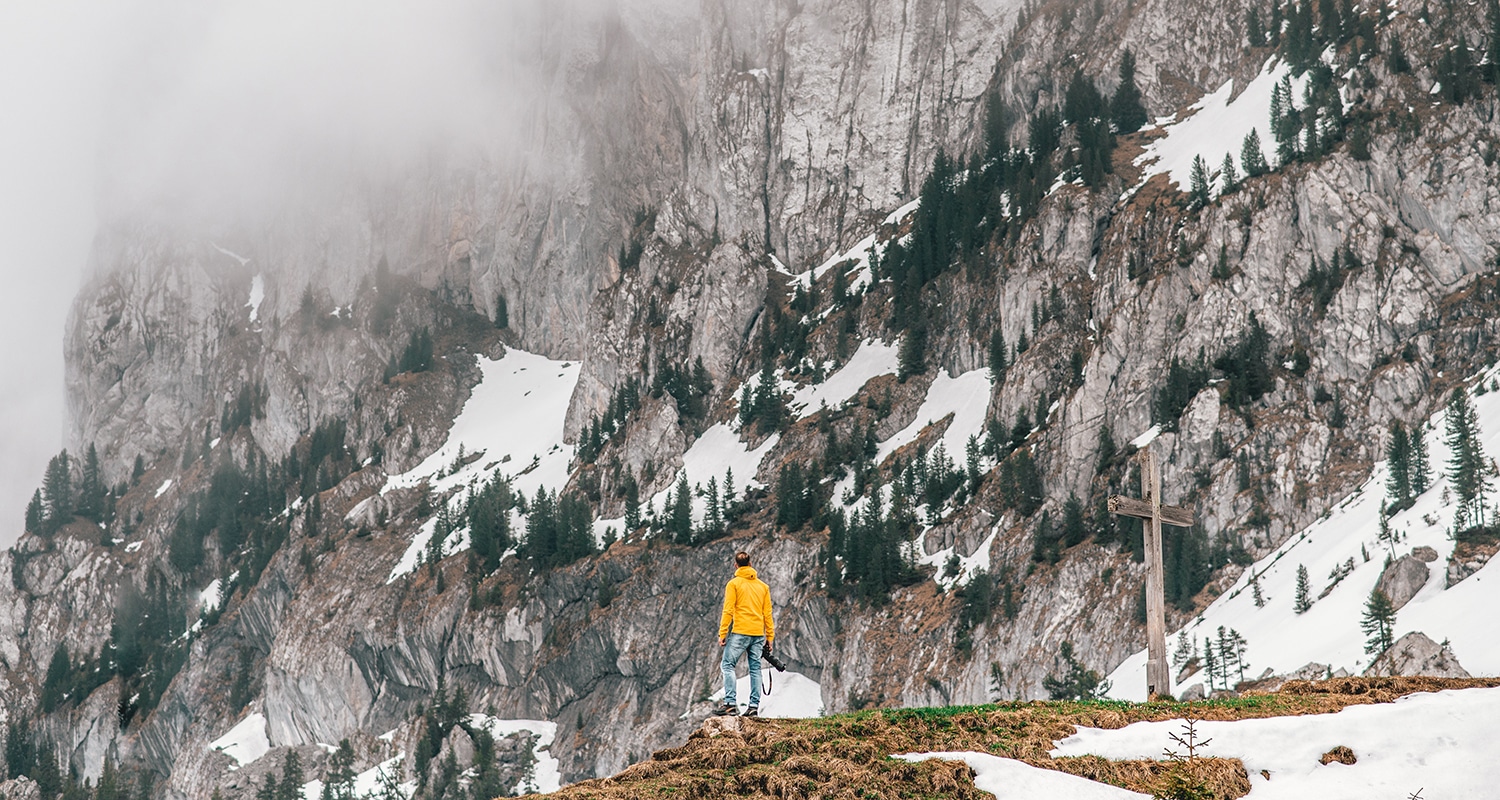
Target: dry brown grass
x,y
848,756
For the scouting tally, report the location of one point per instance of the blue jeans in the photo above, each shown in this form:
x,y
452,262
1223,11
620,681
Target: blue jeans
x,y
735,644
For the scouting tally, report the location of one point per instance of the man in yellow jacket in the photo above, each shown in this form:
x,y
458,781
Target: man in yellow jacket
x,y
746,627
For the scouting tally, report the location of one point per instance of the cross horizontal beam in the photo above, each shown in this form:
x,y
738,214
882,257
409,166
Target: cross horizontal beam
x,y
1131,507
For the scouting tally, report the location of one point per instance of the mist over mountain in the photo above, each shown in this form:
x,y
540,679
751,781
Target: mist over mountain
x,y
430,361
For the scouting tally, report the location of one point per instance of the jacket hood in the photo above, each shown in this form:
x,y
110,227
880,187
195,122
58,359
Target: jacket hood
x,y
747,573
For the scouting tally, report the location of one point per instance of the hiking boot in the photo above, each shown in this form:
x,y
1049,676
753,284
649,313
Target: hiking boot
x,y
752,711
727,710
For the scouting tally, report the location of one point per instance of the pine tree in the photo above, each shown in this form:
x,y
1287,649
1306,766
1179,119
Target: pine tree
x,y
1228,178
632,503
997,355
1377,622
1240,645
1420,471
1254,33
1304,598
1126,109
1184,652
57,493
680,523
1107,449
1468,471
34,513
1252,157
1210,664
1398,464
290,785
1198,194
1075,530
1260,599
1229,657
91,489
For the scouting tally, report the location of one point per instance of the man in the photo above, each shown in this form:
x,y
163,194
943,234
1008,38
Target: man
x,y
746,627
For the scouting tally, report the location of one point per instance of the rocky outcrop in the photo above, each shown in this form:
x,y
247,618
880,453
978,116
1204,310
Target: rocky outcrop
x,y
1415,654
1402,579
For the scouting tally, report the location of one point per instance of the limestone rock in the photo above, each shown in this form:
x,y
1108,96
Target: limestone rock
x,y
1416,654
1424,553
1402,579
1194,692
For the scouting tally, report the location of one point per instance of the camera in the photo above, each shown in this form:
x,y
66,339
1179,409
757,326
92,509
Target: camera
x,y
774,661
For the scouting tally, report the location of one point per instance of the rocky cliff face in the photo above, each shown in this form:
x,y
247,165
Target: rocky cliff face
x,y
687,164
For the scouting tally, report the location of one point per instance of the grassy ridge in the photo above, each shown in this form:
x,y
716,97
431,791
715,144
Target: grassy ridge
x,y
848,755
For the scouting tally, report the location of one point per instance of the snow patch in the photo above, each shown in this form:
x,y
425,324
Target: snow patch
x,y
871,360
1216,125
546,774
1009,779
165,485
257,296
209,598
966,397
514,421
1146,438
793,695
245,742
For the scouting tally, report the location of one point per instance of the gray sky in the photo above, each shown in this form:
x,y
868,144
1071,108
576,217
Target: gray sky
x,y
213,107
51,85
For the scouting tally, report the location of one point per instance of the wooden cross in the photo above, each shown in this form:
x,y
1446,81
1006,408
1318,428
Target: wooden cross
x,y
1150,510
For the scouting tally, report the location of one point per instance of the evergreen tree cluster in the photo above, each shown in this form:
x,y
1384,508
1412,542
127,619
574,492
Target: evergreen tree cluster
x,y
488,515
61,499
688,388
1076,682
1247,367
624,399
764,407
1301,33
146,645
1469,470
1224,661
559,530
1184,382
249,403
1409,473
1325,282
1189,560
868,551
289,785
26,754
417,357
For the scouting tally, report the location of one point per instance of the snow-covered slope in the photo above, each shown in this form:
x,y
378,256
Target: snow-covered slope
x,y
1441,744
1329,633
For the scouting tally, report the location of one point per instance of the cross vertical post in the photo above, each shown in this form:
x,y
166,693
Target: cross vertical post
x,y
1152,513
1157,679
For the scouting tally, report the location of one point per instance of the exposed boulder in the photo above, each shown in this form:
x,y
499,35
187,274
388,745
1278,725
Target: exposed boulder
x,y
1402,579
1416,654
1194,692
1425,553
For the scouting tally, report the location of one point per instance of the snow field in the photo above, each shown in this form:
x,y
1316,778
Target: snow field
x,y
966,397
1440,743
245,742
870,361
514,417
1216,125
1329,633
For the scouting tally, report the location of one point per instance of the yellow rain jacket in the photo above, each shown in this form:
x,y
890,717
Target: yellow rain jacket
x,y
747,606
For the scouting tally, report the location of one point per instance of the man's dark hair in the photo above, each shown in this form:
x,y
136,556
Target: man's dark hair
x,y
742,559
